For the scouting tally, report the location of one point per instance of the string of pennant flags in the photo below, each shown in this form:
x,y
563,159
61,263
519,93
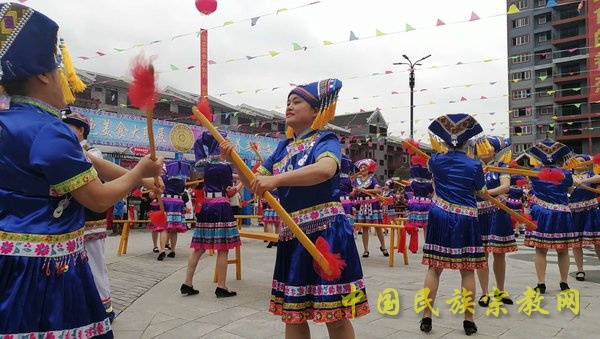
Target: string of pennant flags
x,y
295,45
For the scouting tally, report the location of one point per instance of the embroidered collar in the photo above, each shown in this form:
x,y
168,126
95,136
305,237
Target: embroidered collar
x,y
37,103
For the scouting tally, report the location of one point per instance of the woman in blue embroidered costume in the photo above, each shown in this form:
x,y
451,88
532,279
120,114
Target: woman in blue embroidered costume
x,y
94,233
46,286
516,195
305,171
550,209
177,172
586,214
367,208
421,193
453,239
216,228
497,232
346,187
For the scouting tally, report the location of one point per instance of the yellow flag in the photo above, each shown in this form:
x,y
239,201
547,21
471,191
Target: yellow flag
x,y
378,32
513,9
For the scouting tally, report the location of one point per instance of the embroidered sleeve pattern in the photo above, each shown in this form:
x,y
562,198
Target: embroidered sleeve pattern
x,y
264,171
77,181
330,155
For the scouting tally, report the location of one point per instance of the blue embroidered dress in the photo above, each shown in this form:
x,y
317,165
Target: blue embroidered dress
x,y
298,293
346,186
419,203
177,172
550,209
46,286
585,212
497,232
367,209
216,228
453,234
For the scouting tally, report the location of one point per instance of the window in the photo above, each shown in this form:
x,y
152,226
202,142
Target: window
x,y
98,89
380,162
520,40
372,129
521,4
543,37
404,159
521,93
543,73
542,19
544,55
521,112
519,148
520,58
543,129
545,92
112,97
545,110
520,22
525,75
540,3
520,130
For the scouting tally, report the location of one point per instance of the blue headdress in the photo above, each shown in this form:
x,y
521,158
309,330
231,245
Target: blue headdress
x,y
322,96
29,45
549,152
454,130
212,145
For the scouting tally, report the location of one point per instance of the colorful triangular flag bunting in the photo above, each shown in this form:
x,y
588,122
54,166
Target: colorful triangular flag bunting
x,y
474,17
353,36
440,23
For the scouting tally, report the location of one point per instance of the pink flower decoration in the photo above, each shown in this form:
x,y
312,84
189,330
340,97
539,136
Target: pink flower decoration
x,y
334,210
42,249
99,328
314,215
7,247
71,246
301,147
50,335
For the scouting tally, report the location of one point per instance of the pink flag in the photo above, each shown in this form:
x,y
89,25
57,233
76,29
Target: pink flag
x,y
440,23
474,17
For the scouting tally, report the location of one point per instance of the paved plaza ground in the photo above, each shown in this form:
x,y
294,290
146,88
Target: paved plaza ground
x,y
149,305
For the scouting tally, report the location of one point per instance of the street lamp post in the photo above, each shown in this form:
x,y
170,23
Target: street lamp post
x,y
411,85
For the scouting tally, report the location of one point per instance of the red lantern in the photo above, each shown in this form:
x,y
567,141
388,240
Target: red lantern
x,y
206,7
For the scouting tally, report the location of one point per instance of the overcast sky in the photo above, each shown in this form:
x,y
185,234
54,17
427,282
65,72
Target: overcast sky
x,y
90,26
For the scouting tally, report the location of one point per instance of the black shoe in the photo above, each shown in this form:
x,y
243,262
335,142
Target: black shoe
x,y
564,286
484,300
161,256
155,250
167,246
384,251
580,276
270,244
171,254
223,293
469,327
189,290
541,288
503,297
426,325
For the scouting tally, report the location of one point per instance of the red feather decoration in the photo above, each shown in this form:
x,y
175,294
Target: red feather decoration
x,y
204,108
142,88
521,182
256,166
336,263
553,175
513,163
418,160
596,159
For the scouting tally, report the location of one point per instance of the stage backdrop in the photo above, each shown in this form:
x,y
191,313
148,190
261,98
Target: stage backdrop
x,y
129,131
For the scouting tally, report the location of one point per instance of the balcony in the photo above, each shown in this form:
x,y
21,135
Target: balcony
x,y
565,99
561,136
570,40
568,17
573,76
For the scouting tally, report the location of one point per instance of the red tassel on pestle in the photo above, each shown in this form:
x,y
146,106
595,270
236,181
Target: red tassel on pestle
x,y
552,175
142,95
414,143
521,182
137,193
142,89
418,160
372,167
336,263
204,108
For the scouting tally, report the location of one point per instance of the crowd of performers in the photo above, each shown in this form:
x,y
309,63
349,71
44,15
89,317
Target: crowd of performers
x,y
53,277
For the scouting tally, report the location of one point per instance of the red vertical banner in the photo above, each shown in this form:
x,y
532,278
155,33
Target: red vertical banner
x,y
593,24
203,63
